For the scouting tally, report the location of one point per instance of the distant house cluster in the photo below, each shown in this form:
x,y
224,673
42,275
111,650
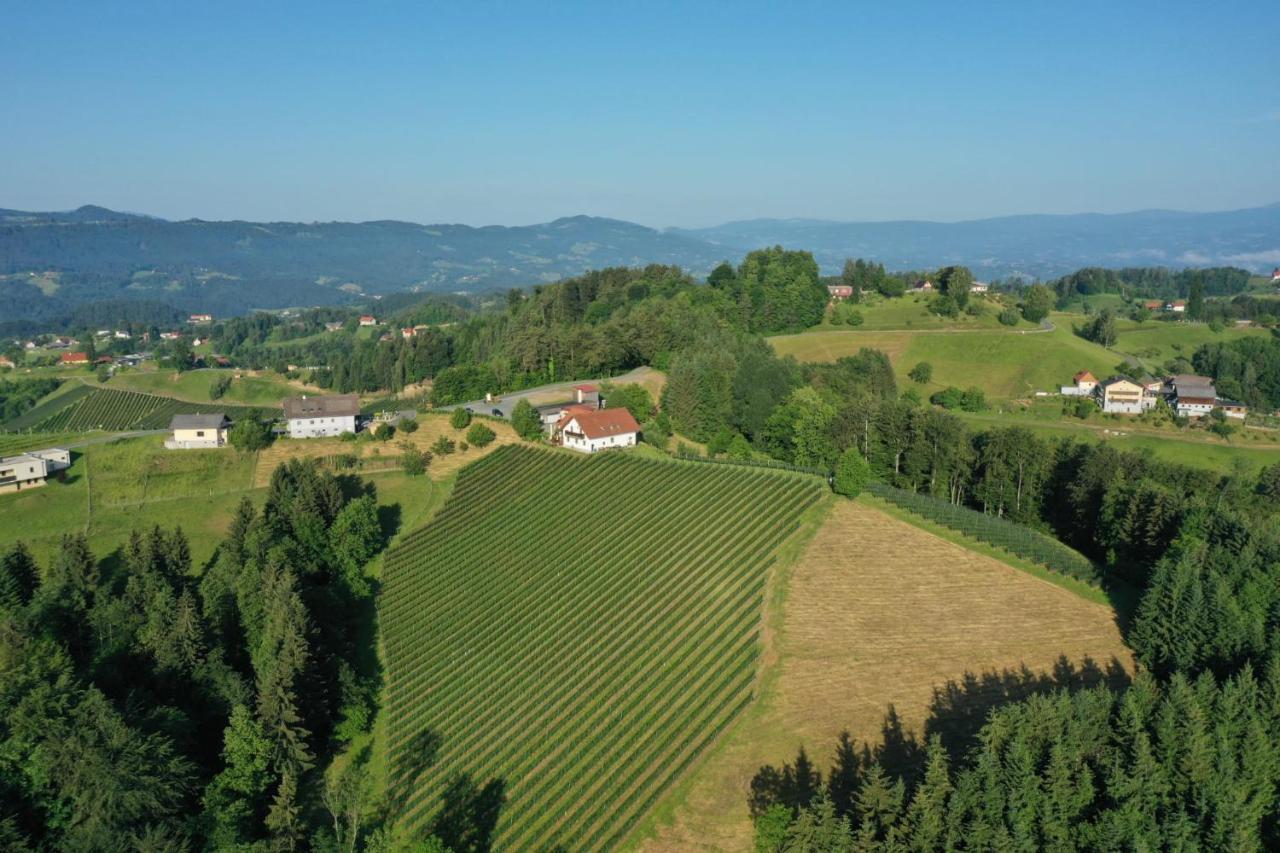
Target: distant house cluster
x,y
31,469
1189,396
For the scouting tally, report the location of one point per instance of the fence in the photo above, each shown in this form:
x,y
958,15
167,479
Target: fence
x,y
1015,538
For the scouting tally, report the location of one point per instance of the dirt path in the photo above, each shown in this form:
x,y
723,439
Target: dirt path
x,y
881,614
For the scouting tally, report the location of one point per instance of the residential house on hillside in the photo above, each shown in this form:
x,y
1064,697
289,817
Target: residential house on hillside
x,y
839,291
407,333
5,361
319,417
922,286
368,320
335,326
979,287
1275,276
200,318
1153,305
194,432
1083,385
170,336
31,469
72,358
1177,306
602,429
1194,396
1123,396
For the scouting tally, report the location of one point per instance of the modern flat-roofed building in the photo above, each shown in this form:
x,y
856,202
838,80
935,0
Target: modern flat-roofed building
x,y
31,469
196,432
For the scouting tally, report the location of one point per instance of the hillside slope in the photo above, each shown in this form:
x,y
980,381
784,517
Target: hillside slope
x,y
568,633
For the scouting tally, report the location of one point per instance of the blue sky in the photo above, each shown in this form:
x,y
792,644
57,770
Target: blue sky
x,y
665,114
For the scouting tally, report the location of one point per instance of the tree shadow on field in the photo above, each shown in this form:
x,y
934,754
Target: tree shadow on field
x,y
468,813
415,758
389,520
958,711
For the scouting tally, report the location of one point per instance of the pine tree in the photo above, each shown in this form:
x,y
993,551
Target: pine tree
x,y
19,578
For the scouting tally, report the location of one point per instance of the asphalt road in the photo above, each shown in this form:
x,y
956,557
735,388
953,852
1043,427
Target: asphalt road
x,y
502,407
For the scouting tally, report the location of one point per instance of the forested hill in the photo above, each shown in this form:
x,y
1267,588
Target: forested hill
x,y
229,267
51,262
1043,246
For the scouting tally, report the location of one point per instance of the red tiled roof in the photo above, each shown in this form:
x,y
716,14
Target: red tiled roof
x,y
606,422
73,358
1084,376
587,388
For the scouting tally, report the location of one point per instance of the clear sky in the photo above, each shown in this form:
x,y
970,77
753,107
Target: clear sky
x,y
664,114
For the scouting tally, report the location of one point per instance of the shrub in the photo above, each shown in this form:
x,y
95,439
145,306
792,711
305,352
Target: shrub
x,y
480,435
219,386
460,419
384,431
1008,317
525,420
347,436
249,434
970,400
412,459
921,373
408,426
443,446
852,473
634,398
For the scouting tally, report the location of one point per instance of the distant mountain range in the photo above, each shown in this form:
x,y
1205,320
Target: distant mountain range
x,y
50,262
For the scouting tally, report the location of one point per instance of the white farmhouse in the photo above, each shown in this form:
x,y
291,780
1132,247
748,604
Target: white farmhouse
x,y
319,417
194,432
1122,396
1083,385
589,432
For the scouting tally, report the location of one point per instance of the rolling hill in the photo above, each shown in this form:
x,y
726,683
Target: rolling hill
x,y
51,262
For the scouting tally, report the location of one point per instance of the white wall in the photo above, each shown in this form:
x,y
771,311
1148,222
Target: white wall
x,y
321,427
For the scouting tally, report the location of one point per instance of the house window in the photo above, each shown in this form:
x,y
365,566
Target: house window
x,y
199,433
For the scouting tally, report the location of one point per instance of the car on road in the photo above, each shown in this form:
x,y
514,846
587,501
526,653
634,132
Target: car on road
x,y
497,413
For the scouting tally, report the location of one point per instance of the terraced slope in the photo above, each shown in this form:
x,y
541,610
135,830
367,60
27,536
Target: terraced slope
x,y
86,408
575,630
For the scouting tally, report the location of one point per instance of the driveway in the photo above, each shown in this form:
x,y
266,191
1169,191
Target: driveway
x,y
541,395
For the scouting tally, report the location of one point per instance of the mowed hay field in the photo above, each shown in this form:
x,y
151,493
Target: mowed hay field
x,y
430,428
1002,363
879,614
569,633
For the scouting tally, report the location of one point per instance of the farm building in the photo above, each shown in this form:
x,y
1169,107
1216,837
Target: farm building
x,y
1192,396
31,469
1153,305
318,417
1178,306
194,432
586,398
839,291
1123,396
1083,384
71,358
601,429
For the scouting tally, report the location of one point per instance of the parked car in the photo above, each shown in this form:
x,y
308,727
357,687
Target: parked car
x,y
497,413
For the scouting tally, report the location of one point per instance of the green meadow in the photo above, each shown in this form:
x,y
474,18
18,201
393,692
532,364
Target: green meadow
x,y
262,389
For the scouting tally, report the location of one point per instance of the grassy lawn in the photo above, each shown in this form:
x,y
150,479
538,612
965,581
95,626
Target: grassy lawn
x,y
1003,364
1194,447
882,626
114,488
1156,343
247,389
911,312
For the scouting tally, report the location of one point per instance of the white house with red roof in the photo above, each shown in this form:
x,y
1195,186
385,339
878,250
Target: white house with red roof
x,y
599,429
368,320
1083,384
1275,275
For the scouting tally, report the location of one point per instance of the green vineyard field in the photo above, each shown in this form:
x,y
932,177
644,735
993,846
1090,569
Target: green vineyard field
x,y
572,632
87,408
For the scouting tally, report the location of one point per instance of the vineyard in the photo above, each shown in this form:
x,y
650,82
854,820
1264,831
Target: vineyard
x,y
573,631
1012,537
86,408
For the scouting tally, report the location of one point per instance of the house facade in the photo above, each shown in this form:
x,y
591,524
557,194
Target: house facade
x,y
72,358
1082,385
196,432
1122,396
839,291
321,417
368,320
602,429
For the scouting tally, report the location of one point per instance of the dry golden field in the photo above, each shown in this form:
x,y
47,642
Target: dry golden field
x,y
880,615
430,427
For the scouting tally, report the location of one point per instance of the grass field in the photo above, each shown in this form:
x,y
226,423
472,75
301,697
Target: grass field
x,y
260,388
1157,343
116,487
881,617
1002,363
536,638
1195,447
911,312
